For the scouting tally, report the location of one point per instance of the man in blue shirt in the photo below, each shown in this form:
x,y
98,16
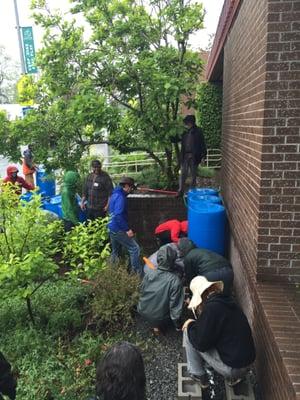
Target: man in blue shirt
x,y
120,233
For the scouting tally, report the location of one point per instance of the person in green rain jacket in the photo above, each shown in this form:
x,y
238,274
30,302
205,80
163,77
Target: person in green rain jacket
x,y
70,207
162,292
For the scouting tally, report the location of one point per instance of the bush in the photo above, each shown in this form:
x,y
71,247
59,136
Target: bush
x,y
86,248
152,177
116,294
209,113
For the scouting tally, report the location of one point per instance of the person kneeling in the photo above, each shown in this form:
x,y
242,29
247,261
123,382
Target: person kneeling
x,y
162,293
220,335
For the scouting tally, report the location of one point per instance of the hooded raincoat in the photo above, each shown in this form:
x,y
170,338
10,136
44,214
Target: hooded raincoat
x,y
16,180
70,208
162,292
205,262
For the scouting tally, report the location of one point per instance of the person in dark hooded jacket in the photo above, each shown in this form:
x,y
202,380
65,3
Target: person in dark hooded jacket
x,y
199,261
162,292
69,203
220,334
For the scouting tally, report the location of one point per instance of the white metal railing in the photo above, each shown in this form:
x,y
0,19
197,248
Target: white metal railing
x,y
140,160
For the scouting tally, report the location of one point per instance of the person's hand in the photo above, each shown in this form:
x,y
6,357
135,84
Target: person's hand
x,y
105,208
82,205
130,233
186,324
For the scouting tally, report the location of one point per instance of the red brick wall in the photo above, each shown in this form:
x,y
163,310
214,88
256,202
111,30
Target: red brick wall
x,y
279,222
243,120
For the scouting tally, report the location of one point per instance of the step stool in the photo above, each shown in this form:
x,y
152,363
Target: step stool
x,y
187,388
242,391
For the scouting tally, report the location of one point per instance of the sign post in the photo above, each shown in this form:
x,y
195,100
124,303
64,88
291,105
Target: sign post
x,y
29,52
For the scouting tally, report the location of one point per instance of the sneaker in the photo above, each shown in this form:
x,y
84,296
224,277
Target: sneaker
x,y
234,382
201,379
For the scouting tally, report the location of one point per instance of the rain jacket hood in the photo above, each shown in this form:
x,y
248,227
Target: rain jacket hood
x,y
185,245
166,257
10,170
71,179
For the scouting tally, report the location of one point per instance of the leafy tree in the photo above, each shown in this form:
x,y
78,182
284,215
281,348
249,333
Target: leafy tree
x,y
128,78
8,73
27,246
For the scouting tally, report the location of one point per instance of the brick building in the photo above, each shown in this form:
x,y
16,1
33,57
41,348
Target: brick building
x,y
256,57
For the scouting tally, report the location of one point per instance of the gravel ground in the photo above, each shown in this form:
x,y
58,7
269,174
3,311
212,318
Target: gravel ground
x,y
161,357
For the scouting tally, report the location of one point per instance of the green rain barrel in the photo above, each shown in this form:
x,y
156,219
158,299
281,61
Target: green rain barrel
x,y
207,223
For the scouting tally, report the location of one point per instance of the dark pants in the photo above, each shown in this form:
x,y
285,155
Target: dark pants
x,y
68,225
93,214
188,164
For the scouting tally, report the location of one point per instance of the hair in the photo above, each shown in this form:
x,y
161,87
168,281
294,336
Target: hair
x,y
96,163
120,374
190,119
213,289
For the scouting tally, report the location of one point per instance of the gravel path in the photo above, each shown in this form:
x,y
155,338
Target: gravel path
x,y
161,359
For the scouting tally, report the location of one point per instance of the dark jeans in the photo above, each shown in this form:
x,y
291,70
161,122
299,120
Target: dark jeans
x,y
121,239
188,164
92,214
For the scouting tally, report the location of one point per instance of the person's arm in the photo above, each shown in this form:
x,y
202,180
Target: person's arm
x,y
188,269
176,302
70,210
28,159
84,194
25,184
109,189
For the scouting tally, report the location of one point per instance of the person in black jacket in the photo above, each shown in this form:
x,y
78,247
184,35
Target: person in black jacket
x,y
8,383
193,150
219,335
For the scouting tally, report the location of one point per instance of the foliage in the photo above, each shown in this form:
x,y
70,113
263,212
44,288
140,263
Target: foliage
x,y
26,90
86,248
115,294
27,246
206,172
127,79
8,73
152,177
209,113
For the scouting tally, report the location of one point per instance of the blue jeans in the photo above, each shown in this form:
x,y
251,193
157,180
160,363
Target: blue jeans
x,y
121,239
197,359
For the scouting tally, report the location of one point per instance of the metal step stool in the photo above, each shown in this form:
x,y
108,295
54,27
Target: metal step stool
x,y
187,388
242,391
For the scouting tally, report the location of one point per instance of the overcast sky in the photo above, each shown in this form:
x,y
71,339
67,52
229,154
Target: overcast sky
x,y
8,34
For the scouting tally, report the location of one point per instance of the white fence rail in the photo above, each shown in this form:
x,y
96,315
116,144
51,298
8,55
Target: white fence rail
x,y
140,160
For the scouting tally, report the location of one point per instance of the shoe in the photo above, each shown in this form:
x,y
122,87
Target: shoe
x,y
201,379
234,382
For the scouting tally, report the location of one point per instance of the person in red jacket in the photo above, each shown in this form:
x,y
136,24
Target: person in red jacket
x,y
13,178
170,231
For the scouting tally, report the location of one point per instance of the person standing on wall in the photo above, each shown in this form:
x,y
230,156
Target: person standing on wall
x,y
96,192
120,233
28,165
193,150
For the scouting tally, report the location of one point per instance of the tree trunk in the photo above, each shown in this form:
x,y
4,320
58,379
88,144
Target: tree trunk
x,y
29,308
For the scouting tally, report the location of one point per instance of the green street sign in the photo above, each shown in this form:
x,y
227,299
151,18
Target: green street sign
x,y
28,50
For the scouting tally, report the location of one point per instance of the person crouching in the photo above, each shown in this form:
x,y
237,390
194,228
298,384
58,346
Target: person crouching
x,y
219,335
162,293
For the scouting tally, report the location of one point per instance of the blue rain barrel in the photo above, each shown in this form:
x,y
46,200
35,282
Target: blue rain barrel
x,y
26,196
195,198
46,184
203,192
207,226
54,205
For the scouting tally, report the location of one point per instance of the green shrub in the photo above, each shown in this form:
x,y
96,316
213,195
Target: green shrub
x,y
86,248
152,177
206,172
116,292
209,113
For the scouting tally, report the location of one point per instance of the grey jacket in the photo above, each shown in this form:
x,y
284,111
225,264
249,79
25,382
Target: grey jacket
x,y
162,292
